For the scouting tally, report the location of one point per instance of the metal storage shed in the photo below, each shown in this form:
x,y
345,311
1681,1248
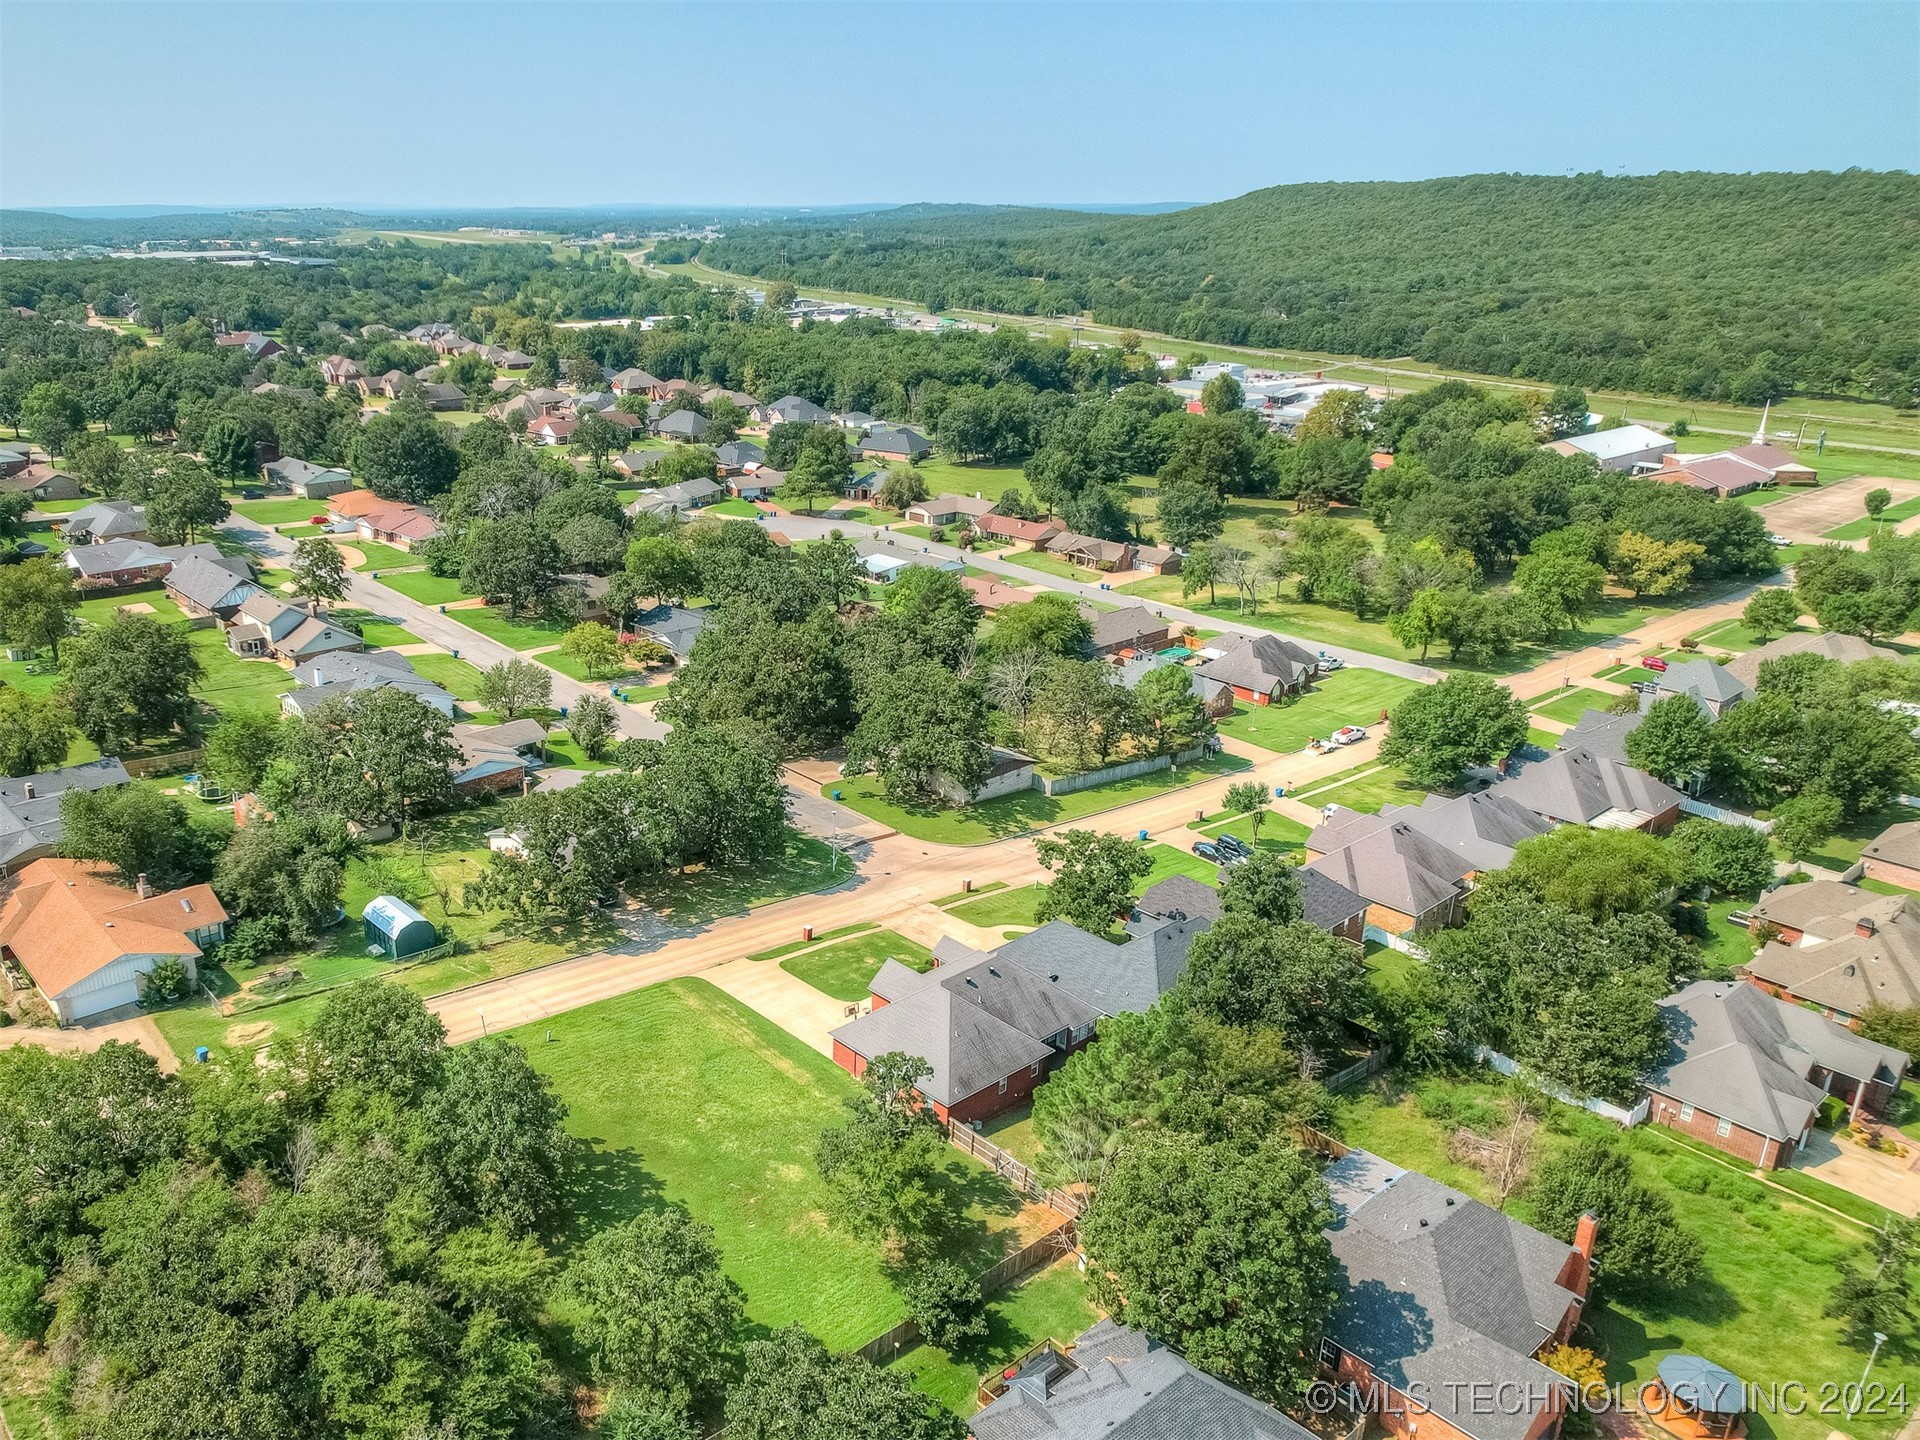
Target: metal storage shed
x,y
396,928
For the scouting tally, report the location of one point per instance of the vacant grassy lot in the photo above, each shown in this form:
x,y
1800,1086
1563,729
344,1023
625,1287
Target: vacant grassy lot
x,y
1347,697
1051,1305
684,1097
954,477
1016,814
1770,1258
842,970
1569,707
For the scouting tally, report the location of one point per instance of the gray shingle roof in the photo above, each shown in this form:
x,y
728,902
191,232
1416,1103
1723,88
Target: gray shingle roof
x,y
1261,663
1897,845
207,584
1325,902
1704,680
1126,626
1845,648
1439,1289
672,626
797,408
31,822
1390,863
1119,1384
1580,787
1602,732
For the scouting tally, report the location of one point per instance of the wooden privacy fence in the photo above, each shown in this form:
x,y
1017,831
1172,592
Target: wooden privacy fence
x,y
1017,1172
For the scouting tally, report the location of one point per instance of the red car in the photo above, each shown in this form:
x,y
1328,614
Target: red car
x,y
1652,662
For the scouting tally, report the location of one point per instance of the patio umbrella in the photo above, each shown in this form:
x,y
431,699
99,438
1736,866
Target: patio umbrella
x,y
1703,1385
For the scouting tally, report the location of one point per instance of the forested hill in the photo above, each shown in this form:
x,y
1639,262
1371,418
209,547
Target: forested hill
x,y
1722,286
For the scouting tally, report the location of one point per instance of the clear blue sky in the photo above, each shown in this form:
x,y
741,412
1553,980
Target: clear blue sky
x,y
544,102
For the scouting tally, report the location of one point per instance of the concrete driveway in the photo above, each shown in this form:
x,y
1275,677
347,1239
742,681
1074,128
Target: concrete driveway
x,y
133,1030
1887,1180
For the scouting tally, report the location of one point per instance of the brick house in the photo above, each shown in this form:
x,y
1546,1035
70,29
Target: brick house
x,y
1262,668
1894,856
1448,1306
1746,1073
1130,628
1839,949
1034,534
1578,787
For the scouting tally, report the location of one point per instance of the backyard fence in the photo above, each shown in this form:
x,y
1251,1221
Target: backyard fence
x,y
171,763
1690,806
1017,1172
1372,1063
1625,1118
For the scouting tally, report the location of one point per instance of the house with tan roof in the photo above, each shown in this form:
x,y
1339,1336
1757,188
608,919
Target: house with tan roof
x,y
1837,947
1893,856
1847,649
1034,534
267,627
88,944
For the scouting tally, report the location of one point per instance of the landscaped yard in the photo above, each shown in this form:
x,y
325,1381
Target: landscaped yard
x,y
1366,787
1348,697
1770,1258
1051,1305
376,630
685,1097
1001,909
457,677
843,969
375,556
1844,848
1572,704
1016,814
526,632
1053,565
426,588
284,511
231,683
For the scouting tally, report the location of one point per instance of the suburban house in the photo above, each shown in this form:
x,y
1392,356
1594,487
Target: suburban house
x,y
30,824
1091,552
1847,649
390,386
1160,559
1713,687
266,626
1625,447
760,483
200,586
889,443
88,944
673,627
552,429
259,346
991,594
1008,773
1602,732
430,332
305,479
685,425
856,420
886,562
1840,948
1130,628
948,510
637,462
15,457
671,500
348,673
993,1024
112,563
39,480
1448,1303
1577,787
633,382
737,457
1034,534
1260,669
443,397
497,757
1113,1383
339,370
1414,865
794,410
105,520
1323,902
1736,471
396,523
1746,1073
1893,856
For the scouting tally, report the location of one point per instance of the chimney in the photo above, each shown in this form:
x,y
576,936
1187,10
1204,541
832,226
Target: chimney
x,y
26,790
1864,928
141,887
1585,1233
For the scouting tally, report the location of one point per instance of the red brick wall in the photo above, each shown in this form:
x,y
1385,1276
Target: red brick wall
x,y
1746,1144
1663,822
1354,929
985,1104
1905,876
1400,1416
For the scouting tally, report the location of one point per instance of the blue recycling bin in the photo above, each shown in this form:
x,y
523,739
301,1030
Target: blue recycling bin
x,y
200,1054
836,794
1279,792
1143,834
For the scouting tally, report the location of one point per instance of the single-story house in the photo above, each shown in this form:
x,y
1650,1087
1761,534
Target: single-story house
x,y
443,397
347,673
670,500
1091,552
948,510
685,425
1323,902
1714,688
1625,447
452,344
1847,649
796,409
15,457
30,824
1034,534
260,347
674,627
633,382
1008,773
41,481
600,402
396,523
991,594
1602,732
1893,856
88,944
552,429
891,443
1261,668
1130,628
268,627
1160,559
497,757
204,587
107,564
760,483
339,370
638,462
885,562
1839,948
856,420
305,479
1578,787
105,520
738,457
1446,1303
1114,1383
391,385
1746,1073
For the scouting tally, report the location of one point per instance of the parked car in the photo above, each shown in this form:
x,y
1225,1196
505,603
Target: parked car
x,y
1347,735
1207,850
1646,687
1652,662
1330,663
1232,845
253,492
1778,540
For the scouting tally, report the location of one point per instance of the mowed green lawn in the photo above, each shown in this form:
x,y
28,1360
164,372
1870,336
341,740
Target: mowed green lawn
x,y
231,683
1019,905
1365,787
684,1097
428,589
1570,707
457,677
1770,1259
1016,814
1051,1305
843,970
377,630
286,511
1347,697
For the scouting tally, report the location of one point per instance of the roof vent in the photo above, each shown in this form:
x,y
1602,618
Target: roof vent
x,y
187,905
1449,1200
973,982
1423,1222
27,791
993,972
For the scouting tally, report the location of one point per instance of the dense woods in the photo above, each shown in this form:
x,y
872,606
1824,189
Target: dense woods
x,y
1711,286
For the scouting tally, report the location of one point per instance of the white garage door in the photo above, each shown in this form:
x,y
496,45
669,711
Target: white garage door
x,y
79,1007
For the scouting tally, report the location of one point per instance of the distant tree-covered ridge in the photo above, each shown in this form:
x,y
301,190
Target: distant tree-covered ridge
x,y
1737,287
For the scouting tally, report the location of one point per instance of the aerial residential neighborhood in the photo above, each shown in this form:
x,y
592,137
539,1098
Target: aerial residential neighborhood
x,y
1022,778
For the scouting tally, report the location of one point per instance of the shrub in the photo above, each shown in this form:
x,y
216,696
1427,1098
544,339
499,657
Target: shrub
x,y
168,979
944,1301
22,1315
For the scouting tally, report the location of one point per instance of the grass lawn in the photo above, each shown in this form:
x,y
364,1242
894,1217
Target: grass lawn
x,y
1769,1258
231,683
1347,697
427,589
1366,788
684,1097
284,511
1051,1305
1725,945
1054,565
101,609
1845,846
1735,635
63,507
1863,527
741,509
793,946
842,970
567,665
1016,814
459,678
955,477
1571,706
375,556
1545,739
528,632
377,630
1277,832
1002,908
